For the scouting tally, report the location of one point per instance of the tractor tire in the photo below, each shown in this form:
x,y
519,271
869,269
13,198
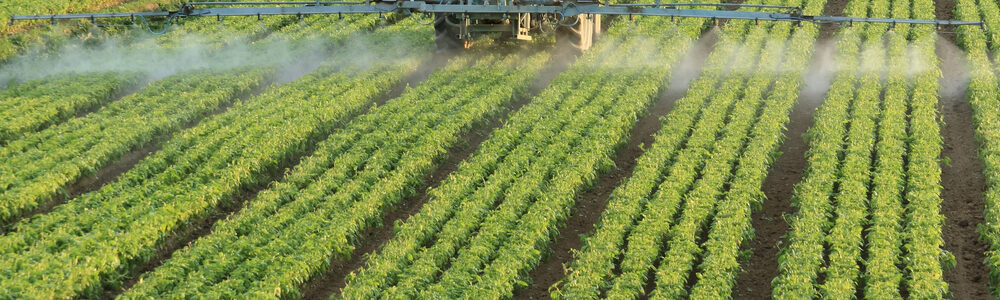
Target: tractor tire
x,y
445,35
579,36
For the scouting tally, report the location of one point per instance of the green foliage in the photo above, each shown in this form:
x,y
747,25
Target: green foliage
x,y
490,222
315,214
885,166
38,166
35,105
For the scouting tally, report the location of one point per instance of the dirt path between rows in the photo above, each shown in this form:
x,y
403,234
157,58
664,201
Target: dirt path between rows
x,y
962,180
769,223
591,203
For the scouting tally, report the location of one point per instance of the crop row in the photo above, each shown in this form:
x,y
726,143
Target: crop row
x,y
39,166
644,240
983,96
521,182
884,240
925,257
657,207
292,231
593,266
800,261
884,167
732,223
99,237
679,236
589,273
845,239
990,13
51,101
84,145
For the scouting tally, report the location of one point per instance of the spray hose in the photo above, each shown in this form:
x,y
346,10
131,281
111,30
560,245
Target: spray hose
x,y
145,25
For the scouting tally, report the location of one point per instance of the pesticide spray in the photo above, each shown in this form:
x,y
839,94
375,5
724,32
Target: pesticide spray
x,y
157,59
953,63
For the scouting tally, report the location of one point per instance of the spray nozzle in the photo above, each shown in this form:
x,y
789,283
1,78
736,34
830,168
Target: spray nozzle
x,y
11,22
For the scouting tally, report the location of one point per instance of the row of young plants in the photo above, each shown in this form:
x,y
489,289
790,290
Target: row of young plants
x,y
730,220
593,266
884,165
882,275
696,190
292,231
990,13
799,263
637,259
35,105
84,145
97,240
983,96
591,271
39,166
923,245
845,237
488,223
645,237
720,264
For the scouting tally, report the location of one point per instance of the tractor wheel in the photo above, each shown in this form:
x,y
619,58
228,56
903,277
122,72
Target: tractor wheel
x,y
445,35
579,36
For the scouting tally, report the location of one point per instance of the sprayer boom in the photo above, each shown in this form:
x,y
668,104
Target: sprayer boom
x,y
461,19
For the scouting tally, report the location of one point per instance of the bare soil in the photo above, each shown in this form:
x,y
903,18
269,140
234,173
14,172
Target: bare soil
x,y
962,181
371,239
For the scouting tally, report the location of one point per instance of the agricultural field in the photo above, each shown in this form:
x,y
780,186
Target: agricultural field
x,y
351,157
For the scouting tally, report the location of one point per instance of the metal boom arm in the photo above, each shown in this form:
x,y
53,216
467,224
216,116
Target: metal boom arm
x,y
567,9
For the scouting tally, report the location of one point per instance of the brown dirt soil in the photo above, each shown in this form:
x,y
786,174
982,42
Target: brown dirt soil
x,y
591,203
833,8
962,181
371,239
769,223
945,10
